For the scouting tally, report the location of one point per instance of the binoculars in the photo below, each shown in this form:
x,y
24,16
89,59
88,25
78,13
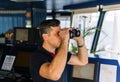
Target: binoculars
x,y
74,33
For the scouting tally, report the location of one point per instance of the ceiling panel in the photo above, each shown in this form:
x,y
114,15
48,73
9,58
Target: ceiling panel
x,y
57,5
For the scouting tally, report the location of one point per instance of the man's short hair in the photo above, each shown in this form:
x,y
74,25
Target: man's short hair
x,y
45,25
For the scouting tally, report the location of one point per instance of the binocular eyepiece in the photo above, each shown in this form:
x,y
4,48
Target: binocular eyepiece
x,y
74,33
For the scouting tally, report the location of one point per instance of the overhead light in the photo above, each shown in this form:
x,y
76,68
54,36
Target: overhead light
x,y
85,10
111,7
26,0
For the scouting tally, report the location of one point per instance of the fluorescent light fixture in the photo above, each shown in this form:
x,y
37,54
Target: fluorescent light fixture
x,y
26,0
111,7
12,11
85,10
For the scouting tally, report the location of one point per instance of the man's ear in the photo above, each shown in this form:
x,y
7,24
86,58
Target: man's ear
x,y
45,36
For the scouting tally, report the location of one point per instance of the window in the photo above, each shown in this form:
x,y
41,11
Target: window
x,y
109,38
87,23
64,21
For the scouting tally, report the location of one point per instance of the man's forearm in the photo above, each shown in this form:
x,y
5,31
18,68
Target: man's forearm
x,y
58,64
82,54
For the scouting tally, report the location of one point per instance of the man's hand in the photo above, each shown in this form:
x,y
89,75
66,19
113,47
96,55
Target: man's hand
x,y
79,39
64,34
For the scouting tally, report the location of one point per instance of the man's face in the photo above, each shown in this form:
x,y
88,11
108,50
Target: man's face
x,y
54,39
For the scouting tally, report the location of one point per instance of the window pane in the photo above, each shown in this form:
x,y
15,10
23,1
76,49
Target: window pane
x,y
87,24
109,40
64,21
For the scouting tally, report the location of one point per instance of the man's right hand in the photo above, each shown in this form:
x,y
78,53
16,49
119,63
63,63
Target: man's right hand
x,y
64,34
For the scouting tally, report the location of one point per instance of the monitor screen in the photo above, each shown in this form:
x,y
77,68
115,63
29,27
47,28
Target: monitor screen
x,y
21,35
8,63
6,59
29,36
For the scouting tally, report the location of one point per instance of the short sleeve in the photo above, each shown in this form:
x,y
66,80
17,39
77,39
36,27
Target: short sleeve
x,y
36,61
69,56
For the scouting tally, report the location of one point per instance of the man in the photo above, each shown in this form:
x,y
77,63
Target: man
x,y
48,63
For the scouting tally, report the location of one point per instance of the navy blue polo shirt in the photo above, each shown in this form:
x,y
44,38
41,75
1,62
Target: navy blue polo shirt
x,y
37,59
